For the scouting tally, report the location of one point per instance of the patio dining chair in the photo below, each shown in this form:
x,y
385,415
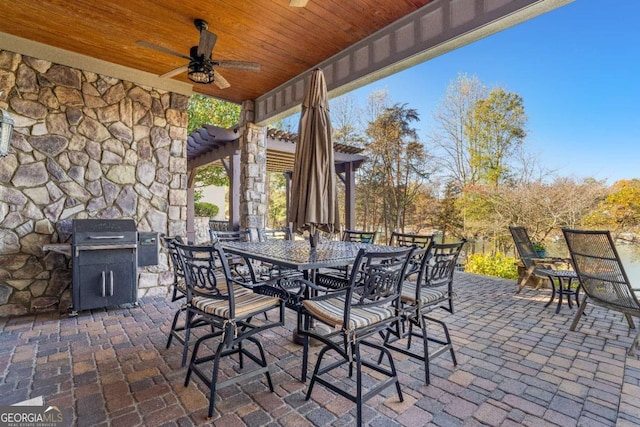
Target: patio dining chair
x,y
230,235
283,233
431,289
408,239
178,292
602,276
420,241
369,305
535,266
178,287
217,225
359,236
238,265
230,308
270,271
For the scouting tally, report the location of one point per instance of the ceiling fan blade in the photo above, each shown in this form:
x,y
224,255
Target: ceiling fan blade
x,y
220,81
207,42
298,3
175,72
237,65
161,49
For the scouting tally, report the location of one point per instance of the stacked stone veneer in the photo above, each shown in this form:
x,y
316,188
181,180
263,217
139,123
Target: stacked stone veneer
x,y
253,173
84,146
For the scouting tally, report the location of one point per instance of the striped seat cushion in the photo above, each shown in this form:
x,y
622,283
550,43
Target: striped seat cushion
x,y
246,302
427,295
331,312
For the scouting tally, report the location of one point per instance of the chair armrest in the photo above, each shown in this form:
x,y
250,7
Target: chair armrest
x,y
291,290
326,282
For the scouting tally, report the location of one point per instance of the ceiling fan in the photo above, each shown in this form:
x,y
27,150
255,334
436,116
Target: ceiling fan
x,y
201,66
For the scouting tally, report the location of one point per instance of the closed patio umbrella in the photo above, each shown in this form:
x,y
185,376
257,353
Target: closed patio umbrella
x,y
314,204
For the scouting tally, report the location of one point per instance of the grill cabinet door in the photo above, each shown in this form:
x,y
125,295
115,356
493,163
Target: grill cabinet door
x,y
106,277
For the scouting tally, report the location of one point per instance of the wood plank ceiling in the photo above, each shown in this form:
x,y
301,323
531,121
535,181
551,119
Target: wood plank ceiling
x,y
284,40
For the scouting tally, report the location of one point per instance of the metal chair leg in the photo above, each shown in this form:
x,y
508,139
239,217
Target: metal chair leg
x,y
578,315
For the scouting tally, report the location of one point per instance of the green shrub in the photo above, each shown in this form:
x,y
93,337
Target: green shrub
x,y
497,266
206,209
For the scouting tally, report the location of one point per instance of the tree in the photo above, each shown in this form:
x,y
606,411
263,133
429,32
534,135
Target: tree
x,y
276,198
448,216
204,110
494,131
620,210
399,162
345,121
452,117
369,180
543,208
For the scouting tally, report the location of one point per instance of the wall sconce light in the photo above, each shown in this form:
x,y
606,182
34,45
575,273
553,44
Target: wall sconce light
x,y
6,127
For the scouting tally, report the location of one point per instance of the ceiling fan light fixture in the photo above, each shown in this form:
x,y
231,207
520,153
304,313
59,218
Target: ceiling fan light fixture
x,y
200,72
298,3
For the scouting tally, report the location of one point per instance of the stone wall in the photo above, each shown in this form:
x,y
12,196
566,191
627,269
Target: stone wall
x,y
84,146
253,173
201,225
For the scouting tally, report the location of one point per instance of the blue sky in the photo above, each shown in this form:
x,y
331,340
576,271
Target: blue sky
x,y
578,71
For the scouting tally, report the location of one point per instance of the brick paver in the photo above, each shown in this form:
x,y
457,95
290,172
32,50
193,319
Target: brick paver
x,y
518,364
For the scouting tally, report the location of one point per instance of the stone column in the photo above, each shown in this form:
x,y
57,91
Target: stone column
x,y
253,172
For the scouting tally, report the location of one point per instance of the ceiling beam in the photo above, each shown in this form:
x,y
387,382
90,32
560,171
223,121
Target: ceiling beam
x,y
437,28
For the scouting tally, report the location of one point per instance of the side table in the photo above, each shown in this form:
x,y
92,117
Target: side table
x,y
562,279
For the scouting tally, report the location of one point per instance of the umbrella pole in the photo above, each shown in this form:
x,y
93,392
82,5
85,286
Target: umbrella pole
x,y
314,236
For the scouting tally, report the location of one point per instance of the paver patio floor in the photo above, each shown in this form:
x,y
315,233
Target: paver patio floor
x,y
518,364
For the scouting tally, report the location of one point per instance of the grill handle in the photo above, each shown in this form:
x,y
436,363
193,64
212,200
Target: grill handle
x,y
110,283
105,237
104,284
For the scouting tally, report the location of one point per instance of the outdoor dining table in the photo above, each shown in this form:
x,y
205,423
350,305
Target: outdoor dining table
x,y
298,254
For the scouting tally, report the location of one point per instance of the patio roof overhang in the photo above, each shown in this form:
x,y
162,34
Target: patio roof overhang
x,y
211,144
354,42
218,146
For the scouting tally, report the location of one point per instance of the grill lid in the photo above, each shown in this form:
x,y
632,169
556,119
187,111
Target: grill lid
x,y
104,231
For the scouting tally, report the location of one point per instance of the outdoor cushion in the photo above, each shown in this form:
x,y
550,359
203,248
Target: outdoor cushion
x,y
331,312
427,295
245,304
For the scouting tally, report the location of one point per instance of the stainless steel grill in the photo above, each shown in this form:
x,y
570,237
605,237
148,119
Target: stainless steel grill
x,y
104,263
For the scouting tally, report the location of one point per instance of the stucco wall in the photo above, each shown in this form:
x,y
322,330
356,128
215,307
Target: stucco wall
x,y
84,146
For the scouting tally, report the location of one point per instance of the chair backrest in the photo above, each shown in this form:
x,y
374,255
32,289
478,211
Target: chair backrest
x,y
359,236
523,244
283,233
230,236
437,269
170,243
376,280
217,225
599,269
439,265
205,270
406,239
